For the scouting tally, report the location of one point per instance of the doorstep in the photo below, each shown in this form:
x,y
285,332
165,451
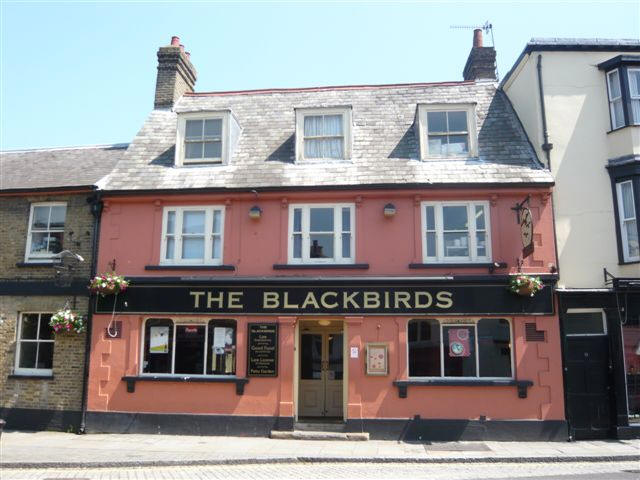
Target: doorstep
x,y
319,435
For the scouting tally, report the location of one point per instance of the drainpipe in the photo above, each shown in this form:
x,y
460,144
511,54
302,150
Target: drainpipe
x,y
96,211
546,146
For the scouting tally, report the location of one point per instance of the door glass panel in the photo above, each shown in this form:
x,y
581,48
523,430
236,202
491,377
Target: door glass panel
x,y
335,356
311,356
584,323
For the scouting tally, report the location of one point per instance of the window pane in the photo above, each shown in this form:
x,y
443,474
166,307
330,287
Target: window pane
x,y
192,247
29,326
480,225
297,219
454,217
45,355
437,144
346,219
58,213
310,356
297,245
46,332
618,114
189,349
170,248
321,246
313,148
457,121
459,351
221,356
28,352
494,349
193,222
628,208
614,85
217,221
193,149
213,150
40,217
431,218
213,127
581,323
437,121
456,245
335,356
39,242
333,125
481,244
55,242
346,245
431,244
333,148
193,129
216,247
631,230
321,219
171,222
158,345
635,111
458,144
312,126
424,348
634,82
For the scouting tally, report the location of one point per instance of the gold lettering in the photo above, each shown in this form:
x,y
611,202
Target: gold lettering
x,y
270,300
310,299
348,298
219,299
444,299
196,298
402,297
323,300
386,299
233,298
371,300
286,302
419,304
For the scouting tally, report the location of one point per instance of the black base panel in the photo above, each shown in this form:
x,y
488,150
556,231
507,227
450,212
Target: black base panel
x,y
38,419
627,433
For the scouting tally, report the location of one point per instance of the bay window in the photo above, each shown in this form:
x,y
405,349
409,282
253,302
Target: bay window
x,y
192,235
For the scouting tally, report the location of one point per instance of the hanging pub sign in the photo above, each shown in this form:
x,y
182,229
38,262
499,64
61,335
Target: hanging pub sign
x,y
262,353
526,232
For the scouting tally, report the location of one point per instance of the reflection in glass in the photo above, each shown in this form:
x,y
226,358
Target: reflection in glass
x,y
190,343
335,355
311,356
424,348
494,347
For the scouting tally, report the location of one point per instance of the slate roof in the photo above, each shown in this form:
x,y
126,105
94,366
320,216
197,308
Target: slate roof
x,y
385,147
57,167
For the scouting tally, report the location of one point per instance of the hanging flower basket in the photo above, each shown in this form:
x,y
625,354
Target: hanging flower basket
x,y
108,284
525,285
67,321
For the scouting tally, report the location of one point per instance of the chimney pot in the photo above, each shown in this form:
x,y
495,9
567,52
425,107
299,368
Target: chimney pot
x,y
175,41
188,54
477,37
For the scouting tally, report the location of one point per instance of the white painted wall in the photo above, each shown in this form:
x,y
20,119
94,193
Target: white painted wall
x,y
578,125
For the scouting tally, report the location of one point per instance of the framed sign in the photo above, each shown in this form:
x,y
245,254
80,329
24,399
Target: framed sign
x,y
262,351
526,232
377,359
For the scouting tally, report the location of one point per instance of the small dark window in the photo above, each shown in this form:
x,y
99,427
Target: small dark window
x,y
459,350
158,346
494,347
584,322
424,348
221,358
189,349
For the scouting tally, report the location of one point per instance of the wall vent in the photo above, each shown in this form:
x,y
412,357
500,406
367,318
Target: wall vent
x,y
533,335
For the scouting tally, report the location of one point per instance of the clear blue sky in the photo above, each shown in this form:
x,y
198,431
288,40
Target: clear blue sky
x,y
79,73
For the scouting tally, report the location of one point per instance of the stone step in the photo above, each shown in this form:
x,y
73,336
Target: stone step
x,y
320,426
311,435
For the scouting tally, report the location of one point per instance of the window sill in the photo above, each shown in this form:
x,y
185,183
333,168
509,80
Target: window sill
x,y
629,262
623,127
403,385
229,268
26,376
320,266
39,263
131,380
492,266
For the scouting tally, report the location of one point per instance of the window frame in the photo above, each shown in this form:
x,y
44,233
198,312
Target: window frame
x,y
345,111
41,258
621,219
423,127
463,322
187,322
473,258
611,100
632,121
337,234
178,236
589,310
31,371
180,160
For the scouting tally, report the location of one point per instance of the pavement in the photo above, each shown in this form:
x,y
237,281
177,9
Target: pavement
x,y
38,450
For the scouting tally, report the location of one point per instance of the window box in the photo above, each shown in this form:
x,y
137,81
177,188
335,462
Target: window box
x,y
205,138
456,232
447,131
192,235
323,134
321,234
34,345
46,232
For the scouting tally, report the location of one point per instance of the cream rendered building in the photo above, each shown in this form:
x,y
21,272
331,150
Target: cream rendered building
x,y
579,101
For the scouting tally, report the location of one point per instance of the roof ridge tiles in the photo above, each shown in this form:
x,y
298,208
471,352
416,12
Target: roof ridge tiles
x,y
112,146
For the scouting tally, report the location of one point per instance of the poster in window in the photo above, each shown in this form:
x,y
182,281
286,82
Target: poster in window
x,y
377,359
459,342
219,340
159,340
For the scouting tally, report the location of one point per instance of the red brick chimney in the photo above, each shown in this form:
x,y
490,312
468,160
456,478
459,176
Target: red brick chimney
x,y
176,74
481,63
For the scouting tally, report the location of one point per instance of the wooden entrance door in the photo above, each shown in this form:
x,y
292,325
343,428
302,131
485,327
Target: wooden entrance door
x,y
321,371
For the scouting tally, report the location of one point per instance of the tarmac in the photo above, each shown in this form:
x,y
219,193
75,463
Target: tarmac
x,y
20,449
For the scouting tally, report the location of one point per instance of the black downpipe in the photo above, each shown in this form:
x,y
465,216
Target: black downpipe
x,y
546,146
96,210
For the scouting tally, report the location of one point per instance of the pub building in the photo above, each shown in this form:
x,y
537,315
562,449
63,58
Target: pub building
x,y
332,255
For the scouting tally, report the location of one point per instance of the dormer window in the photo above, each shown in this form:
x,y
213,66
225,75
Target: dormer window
x,y
447,130
323,133
205,138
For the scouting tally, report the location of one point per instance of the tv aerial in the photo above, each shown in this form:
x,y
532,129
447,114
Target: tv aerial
x,y
486,27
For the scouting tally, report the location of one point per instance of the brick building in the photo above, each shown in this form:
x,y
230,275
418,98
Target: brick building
x,y
47,197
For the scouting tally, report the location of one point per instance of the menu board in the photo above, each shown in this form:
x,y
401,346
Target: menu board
x,y
263,350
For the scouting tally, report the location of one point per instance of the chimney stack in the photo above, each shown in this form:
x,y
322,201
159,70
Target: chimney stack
x,y
176,74
481,63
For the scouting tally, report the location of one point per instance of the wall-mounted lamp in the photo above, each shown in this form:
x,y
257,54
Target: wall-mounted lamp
x,y
255,212
389,210
324,323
